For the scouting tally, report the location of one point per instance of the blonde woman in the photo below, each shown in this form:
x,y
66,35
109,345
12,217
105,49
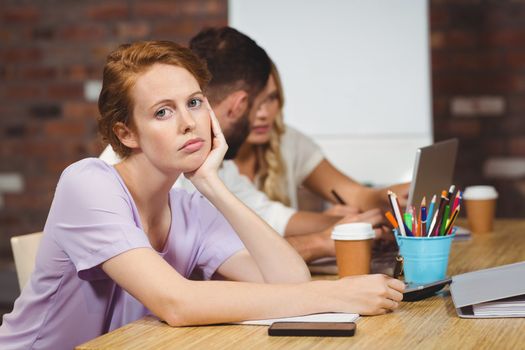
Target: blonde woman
x,y
279,159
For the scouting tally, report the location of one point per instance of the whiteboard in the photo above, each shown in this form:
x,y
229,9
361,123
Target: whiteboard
x,y
351,70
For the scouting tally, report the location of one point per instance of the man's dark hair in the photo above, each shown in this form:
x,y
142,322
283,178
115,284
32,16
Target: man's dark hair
x,y
234,60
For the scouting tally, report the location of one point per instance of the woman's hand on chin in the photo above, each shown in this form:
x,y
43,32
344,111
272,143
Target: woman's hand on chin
x,y
208,169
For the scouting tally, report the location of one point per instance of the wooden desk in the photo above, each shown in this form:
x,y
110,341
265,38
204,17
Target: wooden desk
x,y
426,324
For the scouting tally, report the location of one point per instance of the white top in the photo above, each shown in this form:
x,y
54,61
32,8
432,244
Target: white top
x,y
274,213
301,156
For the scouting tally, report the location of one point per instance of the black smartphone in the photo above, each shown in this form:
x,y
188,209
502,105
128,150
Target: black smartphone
x,y
312,329
415,292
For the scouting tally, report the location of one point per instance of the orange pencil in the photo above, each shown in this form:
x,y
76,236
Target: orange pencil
x,y
391,219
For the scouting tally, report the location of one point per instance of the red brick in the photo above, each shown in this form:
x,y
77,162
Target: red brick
x,y
516,105
439,17
508,37
517,84
467,61
6,36
65,90
459,128
41,148
82,72
83,32
461,39
157,9
505,15
488,83
37,73
108,11
512,125
68,129
20,13
44,32
517,146
440,106
16,222
25,201
11,110
174,30
202,22
39,183
515,60
23,92
494,146
202,8
58,166
136,30
9,148
80,110
181,31
21,54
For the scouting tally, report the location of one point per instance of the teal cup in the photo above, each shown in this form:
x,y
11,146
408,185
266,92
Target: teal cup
x,y
425,259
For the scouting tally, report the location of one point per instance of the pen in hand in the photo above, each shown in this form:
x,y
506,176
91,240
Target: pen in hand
x,y
338,198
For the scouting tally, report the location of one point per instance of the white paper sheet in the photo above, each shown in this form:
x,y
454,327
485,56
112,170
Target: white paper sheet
x,y
507,307
324,317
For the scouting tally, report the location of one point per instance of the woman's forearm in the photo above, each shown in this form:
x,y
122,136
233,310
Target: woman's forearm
x,y
218,302
211,302
269,250
180,302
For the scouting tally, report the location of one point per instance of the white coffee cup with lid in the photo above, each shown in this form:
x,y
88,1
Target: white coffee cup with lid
x,y
480,203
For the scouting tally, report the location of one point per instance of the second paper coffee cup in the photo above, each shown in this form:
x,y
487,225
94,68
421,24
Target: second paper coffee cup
x,y
480,202
353,248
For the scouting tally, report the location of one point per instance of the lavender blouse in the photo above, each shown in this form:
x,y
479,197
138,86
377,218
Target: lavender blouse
x,y
93,218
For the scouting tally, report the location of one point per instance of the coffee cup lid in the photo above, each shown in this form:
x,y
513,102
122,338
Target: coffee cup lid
x,y
355,231
480,192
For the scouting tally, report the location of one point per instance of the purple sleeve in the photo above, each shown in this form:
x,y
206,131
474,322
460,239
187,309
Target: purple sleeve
x,y
219,240
92,218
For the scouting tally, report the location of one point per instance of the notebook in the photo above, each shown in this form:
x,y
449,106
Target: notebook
x,y
490,293
323,317
433,170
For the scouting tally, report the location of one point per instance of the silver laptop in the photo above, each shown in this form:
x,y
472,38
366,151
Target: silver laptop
x,y
433,171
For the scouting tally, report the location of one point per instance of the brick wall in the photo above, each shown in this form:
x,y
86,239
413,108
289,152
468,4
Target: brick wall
x,y
478,81
49,51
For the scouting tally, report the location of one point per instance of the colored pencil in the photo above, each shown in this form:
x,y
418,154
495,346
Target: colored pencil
x,y
430,213
397,212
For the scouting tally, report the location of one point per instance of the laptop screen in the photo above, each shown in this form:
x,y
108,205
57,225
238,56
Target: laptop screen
x,y
433,171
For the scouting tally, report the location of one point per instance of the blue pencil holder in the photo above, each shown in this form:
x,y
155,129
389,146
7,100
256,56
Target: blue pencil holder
x,y
425,259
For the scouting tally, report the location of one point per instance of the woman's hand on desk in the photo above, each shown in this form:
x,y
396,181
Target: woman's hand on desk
x,y
367,294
